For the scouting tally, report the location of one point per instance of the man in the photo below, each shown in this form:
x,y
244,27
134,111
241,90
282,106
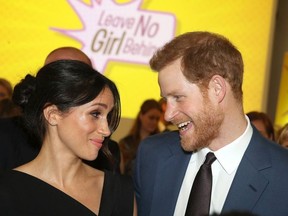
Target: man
x,y
67,53
164,125
200,75
18,147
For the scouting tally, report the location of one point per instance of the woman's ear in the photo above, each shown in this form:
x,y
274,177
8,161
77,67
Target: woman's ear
x,y
51,114
218,86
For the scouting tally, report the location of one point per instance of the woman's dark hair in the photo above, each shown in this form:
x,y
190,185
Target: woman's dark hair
x,y
146,106
66,84
261,116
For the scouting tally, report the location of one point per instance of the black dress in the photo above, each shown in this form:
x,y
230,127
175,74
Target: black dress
x,y
23,194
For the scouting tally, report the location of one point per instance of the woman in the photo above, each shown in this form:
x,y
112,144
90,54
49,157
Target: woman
x,y
283,136
6,89
73,110
262,123
145,124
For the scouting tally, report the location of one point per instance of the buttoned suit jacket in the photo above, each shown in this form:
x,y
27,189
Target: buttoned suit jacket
x,y
260,185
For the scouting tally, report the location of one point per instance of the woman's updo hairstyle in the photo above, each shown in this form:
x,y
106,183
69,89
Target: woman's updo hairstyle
x,y
66,84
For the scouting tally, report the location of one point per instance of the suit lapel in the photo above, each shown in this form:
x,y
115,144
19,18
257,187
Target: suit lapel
x,y
169,179
249,183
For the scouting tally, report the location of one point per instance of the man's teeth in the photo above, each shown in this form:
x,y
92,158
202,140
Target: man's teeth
x,y
183,125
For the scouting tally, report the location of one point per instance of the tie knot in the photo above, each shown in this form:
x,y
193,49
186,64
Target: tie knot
x,y
210,158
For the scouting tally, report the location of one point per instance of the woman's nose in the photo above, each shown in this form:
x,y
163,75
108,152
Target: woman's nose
x,y
104,129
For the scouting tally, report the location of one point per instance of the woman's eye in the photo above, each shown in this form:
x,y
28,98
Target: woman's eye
x,y
95,114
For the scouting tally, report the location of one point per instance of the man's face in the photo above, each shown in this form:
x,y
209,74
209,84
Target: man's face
x,y
197,118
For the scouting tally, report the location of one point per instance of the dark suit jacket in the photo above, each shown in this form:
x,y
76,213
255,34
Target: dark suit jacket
x,y
16,145
260,185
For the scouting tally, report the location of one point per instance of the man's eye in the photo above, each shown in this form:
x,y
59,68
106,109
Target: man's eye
x,y
177,97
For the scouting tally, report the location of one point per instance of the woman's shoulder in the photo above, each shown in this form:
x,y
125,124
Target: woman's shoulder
x,y
13,183
118,194
118,183
10,177
118,178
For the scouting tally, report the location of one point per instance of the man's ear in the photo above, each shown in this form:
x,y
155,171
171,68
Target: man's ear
x,y
218,86
51,114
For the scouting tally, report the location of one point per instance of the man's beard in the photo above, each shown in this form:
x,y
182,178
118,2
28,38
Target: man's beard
x,y
206,128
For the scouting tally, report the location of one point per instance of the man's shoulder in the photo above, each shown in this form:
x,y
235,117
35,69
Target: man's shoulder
x,y
161,143
278,152
262,150
164,137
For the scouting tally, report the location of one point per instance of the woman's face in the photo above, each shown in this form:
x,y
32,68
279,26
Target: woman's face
x,y
150,120
3,92
82,130
260,126
285,143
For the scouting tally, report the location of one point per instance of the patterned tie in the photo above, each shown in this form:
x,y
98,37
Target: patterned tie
x,y
200,195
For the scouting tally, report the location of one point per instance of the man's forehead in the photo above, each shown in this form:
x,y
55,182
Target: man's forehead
x,y
67,54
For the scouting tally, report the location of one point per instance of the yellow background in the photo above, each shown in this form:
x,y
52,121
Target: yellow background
x,y
282,105
26,40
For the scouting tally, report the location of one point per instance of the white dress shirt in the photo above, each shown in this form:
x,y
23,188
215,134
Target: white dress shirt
x,y
223,171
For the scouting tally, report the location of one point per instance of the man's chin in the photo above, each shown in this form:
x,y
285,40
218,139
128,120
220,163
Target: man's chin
x,y
188,147
192,146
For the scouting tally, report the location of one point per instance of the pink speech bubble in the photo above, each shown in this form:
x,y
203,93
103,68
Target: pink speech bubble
x,y
120,32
